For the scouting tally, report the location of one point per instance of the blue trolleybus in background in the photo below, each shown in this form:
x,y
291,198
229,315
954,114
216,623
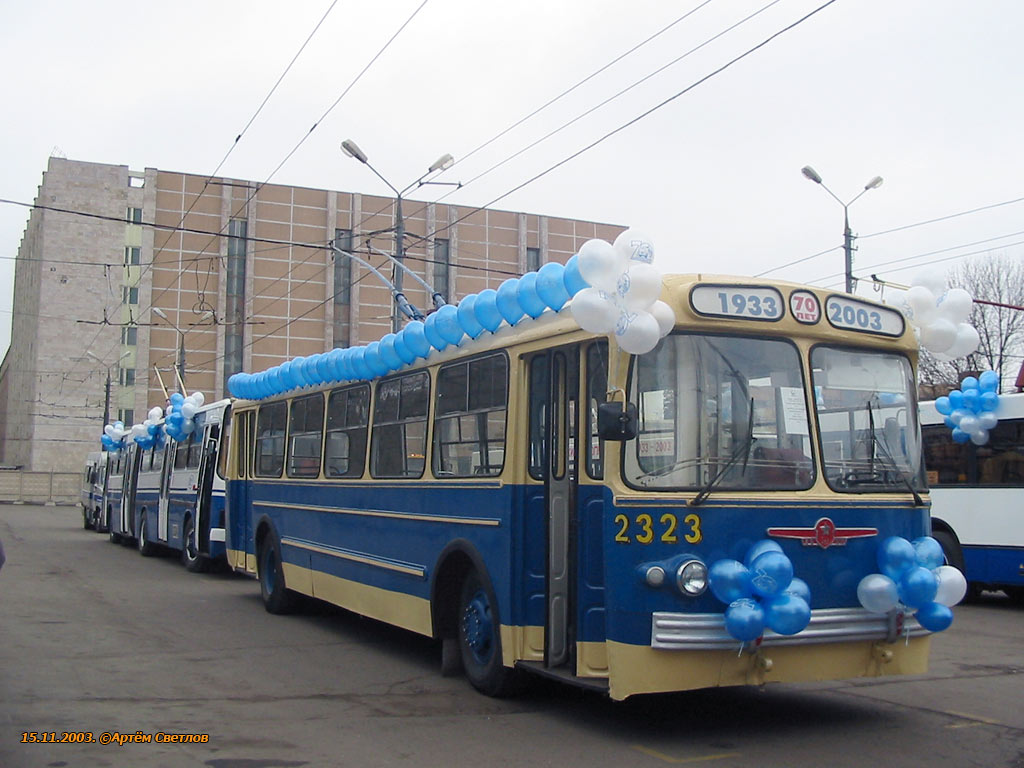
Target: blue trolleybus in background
x,y
480,496
93,488
977,497
175,494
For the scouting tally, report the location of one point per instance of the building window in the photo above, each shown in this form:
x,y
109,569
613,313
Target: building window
x,y
469,426
126,376
136,182
126,415
342,287
132,255
134,215
130,336
129,295
234,308
532,259
442,268
399,443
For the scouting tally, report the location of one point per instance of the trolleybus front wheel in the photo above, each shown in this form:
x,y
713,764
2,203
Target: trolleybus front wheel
x,y
480,639
277,598
190,557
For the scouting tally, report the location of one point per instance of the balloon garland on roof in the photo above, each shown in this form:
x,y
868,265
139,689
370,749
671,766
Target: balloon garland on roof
x,y
610,288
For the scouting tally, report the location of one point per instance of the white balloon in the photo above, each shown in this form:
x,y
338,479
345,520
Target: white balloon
x,y
637,332
632,246
187,426
600,265
969,424
109,430
594,311
922,305
955,305
939,335
979,436
156,413
640,286
665,316
138,430
199,397
967,340
952,585
932,279
188,410
988,420
877,593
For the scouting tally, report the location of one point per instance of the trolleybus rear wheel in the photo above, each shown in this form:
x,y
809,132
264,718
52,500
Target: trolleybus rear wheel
x,y
277,598
190,557
146,547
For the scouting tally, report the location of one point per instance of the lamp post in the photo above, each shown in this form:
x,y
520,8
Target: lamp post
x,y
106,397
442,163
848,249
181,346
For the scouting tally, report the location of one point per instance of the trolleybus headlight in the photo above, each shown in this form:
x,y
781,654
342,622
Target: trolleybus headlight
x,y
655,576
692,578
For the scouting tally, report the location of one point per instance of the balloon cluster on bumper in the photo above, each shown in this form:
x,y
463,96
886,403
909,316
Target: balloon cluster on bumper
x,y
761,592
971,410
629,307
939,315
914,580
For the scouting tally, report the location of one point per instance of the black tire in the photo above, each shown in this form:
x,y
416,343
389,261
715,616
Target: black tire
x,y
86,521
96,520
277,598
479,633
146,547
193,561
115,538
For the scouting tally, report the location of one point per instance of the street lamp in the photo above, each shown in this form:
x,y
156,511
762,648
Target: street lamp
x,y
181,345
106,398
876,182
443,163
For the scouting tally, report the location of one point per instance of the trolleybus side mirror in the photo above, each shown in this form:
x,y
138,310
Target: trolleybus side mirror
x,y
616,421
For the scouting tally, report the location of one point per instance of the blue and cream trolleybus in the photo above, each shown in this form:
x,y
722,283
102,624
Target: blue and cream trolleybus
x,y
542,501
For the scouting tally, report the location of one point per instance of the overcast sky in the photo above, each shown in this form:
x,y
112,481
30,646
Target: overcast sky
x,y
926,93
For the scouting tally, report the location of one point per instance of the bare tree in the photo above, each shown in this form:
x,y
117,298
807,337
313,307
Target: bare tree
x,y
996,278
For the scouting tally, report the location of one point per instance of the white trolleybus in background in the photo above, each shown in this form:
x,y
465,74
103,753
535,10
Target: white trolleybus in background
x,y
977,495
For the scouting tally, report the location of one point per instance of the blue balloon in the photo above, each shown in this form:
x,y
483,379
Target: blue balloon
x,y
959,436
551,285
928,552
956,399
176,419
334,365
528,297
309,371
744,620
972,400
943,406
573,280
372,358
405,354
467,316
508,301
357,362
787,614
416,338
177,398
895,557
235,383
295,373
152,429
432,334
448,324
729,580
758,547
989,381
486,309
968,383
989,401
917,587
935,617
772,572
276,380
799,588
324,367
949,422
388,354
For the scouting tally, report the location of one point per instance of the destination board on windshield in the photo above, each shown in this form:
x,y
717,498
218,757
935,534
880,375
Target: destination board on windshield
x,y
853,315
739,301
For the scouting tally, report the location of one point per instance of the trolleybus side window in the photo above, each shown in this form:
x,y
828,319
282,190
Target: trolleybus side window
x,y
399,440
469,418
1000,462
348,412
305,436
270,428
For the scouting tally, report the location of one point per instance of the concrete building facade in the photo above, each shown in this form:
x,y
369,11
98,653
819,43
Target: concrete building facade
x,y
127,275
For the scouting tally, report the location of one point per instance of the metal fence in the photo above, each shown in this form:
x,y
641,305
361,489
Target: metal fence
x,y
22,487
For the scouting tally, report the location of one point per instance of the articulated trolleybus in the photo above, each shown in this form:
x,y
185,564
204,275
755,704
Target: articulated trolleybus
x,y
977,497
539,500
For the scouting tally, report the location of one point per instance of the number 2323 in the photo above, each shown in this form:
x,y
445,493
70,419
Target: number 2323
x,y
644,530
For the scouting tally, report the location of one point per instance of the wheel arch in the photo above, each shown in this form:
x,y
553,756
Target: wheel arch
x,y
457,559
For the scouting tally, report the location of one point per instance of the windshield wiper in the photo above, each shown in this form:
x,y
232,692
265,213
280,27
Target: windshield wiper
x,y
888,461
742,451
